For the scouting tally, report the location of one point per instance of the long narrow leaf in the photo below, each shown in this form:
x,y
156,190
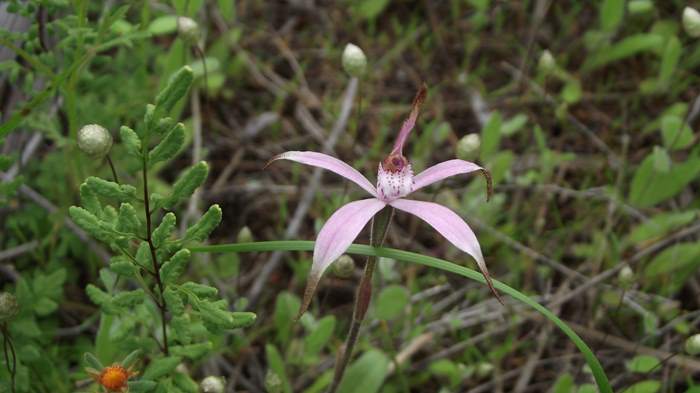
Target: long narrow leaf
x,y
301,245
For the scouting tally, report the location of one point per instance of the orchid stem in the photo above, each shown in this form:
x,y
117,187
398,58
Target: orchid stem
x,y
380,226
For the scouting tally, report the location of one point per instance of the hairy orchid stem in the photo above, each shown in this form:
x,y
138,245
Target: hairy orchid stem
x,y
380,226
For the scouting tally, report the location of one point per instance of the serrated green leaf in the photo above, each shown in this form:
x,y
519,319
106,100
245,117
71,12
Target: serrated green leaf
x,y
131,358
161,367
175,266
185,383
176,88
187,183
131,141
90,223
127,221
142,386
129,298
169,147
192,351
164,230
200,290
242,319
92,361
182,326
97,295
89,200
108,189
173,300
123,266
201,230
214,315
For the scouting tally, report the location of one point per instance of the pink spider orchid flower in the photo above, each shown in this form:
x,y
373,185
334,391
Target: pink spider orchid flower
x,y
395,181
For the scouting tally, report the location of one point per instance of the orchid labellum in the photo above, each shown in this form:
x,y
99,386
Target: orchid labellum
x,y
395,181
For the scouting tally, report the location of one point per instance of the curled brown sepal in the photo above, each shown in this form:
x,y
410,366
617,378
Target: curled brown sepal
x,y
489,183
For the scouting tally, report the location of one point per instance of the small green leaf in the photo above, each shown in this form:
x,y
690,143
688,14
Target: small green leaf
x,y
391,302
129,298
142,386
675,132
491,136
173,301
131,358
185,383
98,296
89,222
192,351
108,189
175,266
92,361
168,148
662,161
89,200
276,364
131,141
182,326
187,183
127,221
286,308
649,386
163,25
564,384
143,256
669,60
611,13
318,338
176,88
629,46
161,367
164,230
571,93
643,364
648,188
123,265
200,290
201,230
242,319
366,374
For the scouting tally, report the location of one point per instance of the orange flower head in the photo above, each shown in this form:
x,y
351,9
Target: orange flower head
x,y
114,378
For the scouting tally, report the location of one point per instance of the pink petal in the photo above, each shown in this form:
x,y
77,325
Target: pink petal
x,y
330,163
446,169
409,123
452,227
335,237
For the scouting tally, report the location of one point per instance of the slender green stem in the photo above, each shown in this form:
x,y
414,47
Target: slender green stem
x,y
406,256
114,170
9,351
156,266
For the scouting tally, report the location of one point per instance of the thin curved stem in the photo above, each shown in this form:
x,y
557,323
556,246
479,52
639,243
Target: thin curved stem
x,y
406,256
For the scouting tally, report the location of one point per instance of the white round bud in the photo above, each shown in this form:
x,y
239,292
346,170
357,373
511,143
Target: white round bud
x,y
625,276
344,266
468,146
212,384
546,63
354,60
245,235
692,344
187,28
94,140
691,22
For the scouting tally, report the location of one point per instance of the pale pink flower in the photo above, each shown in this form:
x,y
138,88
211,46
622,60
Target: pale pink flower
x,y
395,180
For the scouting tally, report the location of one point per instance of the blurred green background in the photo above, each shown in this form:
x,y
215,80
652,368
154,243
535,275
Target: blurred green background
x,y
584,112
